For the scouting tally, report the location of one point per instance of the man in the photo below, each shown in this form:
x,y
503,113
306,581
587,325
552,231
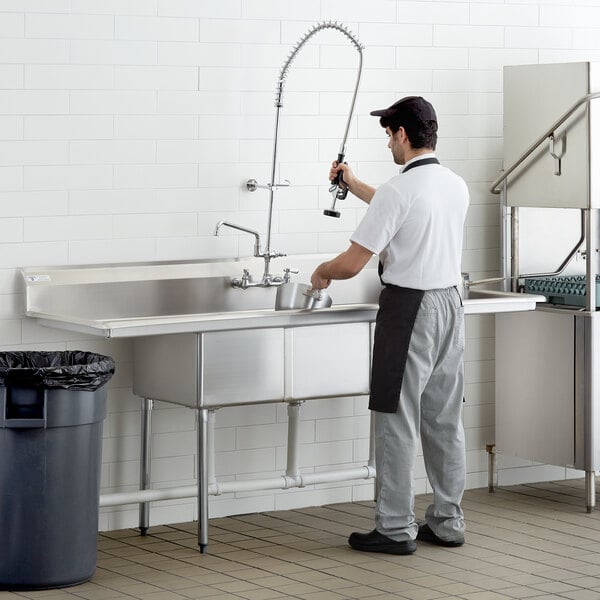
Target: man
x,y
415,224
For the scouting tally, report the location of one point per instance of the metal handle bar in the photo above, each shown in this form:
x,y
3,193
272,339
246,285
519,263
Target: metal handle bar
x,y
584,100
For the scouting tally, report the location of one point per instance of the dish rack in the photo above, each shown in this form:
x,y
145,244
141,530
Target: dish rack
x,y
562,289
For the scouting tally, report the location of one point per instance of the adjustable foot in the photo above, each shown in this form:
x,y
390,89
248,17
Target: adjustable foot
x,y
590,491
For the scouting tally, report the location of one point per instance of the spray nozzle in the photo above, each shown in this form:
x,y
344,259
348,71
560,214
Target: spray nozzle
x,y
338,190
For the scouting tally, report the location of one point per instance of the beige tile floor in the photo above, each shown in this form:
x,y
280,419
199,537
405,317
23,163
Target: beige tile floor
x,y
527,541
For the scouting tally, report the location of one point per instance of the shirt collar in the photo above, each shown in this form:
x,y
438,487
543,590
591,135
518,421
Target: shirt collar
x,y
416,158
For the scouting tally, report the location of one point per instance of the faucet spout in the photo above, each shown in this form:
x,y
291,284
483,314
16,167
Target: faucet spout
x,y
256,235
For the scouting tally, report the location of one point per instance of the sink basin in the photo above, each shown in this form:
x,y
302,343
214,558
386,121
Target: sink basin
x,y
133,300
480,301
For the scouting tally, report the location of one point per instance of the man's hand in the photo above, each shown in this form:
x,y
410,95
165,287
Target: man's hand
x,y
356,186
347,174
318,281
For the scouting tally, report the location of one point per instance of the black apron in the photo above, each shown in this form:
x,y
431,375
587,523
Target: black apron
x,y
396,316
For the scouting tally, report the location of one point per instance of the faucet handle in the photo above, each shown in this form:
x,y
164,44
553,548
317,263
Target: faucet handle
x,y
286,274
242,282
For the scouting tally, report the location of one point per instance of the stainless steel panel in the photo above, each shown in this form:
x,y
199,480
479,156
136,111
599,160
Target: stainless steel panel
x,y
330,360
165,368
586,383
154,290
535,404
242,367
535,96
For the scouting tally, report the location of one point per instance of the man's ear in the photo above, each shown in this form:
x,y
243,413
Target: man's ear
x,y
401,133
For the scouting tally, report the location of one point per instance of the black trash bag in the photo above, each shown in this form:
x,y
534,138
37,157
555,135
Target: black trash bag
x,y
69,370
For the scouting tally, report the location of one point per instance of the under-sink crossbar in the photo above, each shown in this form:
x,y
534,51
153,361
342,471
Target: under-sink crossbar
x,y
208,485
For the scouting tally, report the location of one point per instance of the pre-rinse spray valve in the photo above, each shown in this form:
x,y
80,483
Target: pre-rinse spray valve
x,y
338,190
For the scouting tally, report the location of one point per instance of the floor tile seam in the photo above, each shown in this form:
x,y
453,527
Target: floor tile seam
x,y
557,505
450,581
83,597
530,510
566,531
525,570
282,558
372,585
507,492
313,520
331,509
512,521
276,533
552,497
576,588
526,539
365,567
216,569
329,589
525,508
135,577
555,490
574,516
516,521
237,595
120,587
260,587
308,551
500,541
547,580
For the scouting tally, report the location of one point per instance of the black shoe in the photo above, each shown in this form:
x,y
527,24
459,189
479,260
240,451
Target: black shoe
x,y
426,535
377,542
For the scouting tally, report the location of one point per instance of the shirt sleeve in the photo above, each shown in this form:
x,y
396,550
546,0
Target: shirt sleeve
x,y
384,217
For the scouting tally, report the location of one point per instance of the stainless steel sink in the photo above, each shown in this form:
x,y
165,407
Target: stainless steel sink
x,y
133,300
192,327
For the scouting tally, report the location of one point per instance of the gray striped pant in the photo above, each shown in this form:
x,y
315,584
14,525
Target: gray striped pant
x,y
430,409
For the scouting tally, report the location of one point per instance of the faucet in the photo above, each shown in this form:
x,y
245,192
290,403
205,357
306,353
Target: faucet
x,y
272,186
240,228
246,280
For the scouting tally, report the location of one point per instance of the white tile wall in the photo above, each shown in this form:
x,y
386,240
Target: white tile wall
x,y
127,129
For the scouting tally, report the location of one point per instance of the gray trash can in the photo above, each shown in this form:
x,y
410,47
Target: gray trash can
x,y
52,408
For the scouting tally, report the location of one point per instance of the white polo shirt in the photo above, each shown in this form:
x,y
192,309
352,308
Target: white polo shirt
x,y
415,223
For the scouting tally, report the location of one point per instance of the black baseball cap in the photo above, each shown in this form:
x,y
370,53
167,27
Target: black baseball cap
x,y
412,107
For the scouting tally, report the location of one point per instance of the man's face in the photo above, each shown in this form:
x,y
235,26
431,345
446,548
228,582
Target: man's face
x,y
395,145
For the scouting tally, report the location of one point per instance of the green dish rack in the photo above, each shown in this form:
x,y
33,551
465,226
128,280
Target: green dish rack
x,y
568,290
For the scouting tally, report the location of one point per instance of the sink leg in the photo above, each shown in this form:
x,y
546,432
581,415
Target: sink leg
x,y
590,491
371,461
491,450
203,418
145,459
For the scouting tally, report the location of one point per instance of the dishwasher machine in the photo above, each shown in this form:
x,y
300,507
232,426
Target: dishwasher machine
x,y
547,360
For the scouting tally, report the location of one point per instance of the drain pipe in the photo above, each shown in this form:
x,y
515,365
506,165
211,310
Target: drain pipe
x,y
293,446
